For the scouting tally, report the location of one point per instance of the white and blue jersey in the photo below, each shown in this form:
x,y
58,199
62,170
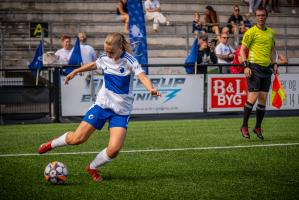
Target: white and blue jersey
x,y
116,92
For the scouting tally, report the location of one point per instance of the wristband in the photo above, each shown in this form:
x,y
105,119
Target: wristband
x,y
245,64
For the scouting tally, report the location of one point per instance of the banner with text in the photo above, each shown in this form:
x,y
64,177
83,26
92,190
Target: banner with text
x,y
180,94
228,92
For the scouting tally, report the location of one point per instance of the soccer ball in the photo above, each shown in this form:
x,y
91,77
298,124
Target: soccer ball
x,y
55,172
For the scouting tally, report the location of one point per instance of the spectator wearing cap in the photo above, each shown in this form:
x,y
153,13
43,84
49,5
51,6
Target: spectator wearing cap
x,y
64,53
224,52
206,55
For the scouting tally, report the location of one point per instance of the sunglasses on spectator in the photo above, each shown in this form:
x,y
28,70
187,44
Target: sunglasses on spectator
x,y
224,37
237,9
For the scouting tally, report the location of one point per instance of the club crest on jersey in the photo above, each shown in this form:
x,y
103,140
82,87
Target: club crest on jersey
x,y
122,70
90,116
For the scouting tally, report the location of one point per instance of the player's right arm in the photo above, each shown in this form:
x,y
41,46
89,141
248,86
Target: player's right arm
x,y
83,68
243,50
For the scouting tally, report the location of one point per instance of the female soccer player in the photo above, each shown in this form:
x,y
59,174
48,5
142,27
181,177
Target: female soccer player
x,y
114,102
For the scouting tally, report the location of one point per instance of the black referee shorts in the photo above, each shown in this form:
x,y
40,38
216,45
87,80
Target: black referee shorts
x,y
260,79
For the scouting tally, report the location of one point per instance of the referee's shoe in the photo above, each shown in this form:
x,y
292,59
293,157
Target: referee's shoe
x,y
258,132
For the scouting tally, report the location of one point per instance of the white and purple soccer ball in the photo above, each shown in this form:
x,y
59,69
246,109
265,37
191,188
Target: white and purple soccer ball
x,y
56,173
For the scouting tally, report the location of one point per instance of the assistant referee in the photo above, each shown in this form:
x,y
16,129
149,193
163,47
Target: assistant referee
x,y
259,66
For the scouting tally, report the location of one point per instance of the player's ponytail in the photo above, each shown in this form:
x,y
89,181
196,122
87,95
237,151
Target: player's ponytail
x,y
119,40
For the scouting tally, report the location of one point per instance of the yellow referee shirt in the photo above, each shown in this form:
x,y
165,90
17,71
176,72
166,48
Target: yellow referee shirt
x,y
260,43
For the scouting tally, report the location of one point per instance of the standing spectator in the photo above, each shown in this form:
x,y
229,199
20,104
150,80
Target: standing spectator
x,y
197,26
235,20
212,21
87,52
122,14
259,40
63,54
253,5
224,52
153,12
206,55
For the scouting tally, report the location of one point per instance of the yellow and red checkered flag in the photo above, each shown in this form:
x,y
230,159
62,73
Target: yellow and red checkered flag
x,y
278,94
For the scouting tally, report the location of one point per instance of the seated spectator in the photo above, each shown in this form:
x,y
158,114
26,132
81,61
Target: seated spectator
x,y
293,6
88,53
206,55
122,14
63,54
235,20
275,6
224,52
247,21
197,26
153,12
212,21
268,5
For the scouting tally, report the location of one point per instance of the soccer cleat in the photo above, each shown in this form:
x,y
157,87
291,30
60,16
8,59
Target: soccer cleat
x,y
45,147
258,132
96,177
245,132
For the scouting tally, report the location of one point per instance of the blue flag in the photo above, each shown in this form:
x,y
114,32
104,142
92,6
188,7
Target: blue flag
x,y
192,57
137,32
37,62
75,58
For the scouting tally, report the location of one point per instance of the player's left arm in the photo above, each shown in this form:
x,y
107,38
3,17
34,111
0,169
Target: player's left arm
x,y
148,84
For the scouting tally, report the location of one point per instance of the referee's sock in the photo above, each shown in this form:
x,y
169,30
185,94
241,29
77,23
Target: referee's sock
x,y
247,111
260,113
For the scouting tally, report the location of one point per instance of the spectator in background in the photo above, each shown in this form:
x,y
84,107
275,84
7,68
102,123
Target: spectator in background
x,y
87,52
122,14
230,40
275,6
206,55
63,54
224,52
268,5
153,12
247,21
238,60
212,21
197,25
293,6
235,20
253,5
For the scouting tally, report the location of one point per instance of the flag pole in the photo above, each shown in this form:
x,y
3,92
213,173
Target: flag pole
x,y
37,71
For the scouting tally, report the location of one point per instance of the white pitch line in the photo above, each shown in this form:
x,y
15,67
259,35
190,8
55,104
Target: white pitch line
x,y
155,150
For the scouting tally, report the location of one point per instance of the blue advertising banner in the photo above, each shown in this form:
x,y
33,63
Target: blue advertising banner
x,y
137,32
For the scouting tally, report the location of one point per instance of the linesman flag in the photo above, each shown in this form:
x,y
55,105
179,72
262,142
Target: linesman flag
x,y
37,62
192,57
278,94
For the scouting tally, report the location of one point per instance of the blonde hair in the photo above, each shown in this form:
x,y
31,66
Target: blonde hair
x,y
119,40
